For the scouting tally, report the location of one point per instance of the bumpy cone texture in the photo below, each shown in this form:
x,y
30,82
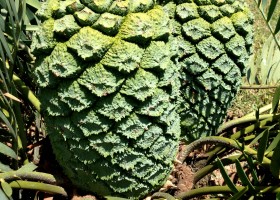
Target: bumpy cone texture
x,y
118,80
214,40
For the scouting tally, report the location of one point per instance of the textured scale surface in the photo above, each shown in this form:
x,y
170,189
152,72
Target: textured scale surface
x,y
121,81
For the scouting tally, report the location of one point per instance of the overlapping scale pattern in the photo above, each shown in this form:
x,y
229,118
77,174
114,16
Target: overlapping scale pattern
x,y
118,80
220,39
105,84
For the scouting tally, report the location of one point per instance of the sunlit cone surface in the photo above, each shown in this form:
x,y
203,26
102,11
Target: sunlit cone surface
x,y
118,80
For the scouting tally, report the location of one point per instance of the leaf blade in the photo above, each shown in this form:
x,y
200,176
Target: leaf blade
x,y
262,145
7,189
227,179
275,101
34,3
275,162
2,195
271,9
243,177
239,194
4,149
277,27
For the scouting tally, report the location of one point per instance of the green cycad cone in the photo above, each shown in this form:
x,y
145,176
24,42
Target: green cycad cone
x,y
118,80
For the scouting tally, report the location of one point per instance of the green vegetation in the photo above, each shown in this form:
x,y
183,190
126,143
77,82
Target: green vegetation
x,y
121,83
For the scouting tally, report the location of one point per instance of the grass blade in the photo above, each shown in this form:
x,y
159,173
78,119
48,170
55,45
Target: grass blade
x,y
227,179
4,149
275,162
262,145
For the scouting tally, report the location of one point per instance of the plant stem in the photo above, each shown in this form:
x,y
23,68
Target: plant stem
x,y
220,141
211,167
245,119
258,87
261,110
35,176
223,189
252,127
27,93
38,186
162,195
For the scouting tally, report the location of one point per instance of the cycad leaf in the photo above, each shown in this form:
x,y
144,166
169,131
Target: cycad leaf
x,y
2,24
243,177
6,188
29,167
3,4
4,168
256,139
239,194
262,145
5,46
114,198
252,73
277,27
227,179
278,196
275,101
4,149
263,4
271,9
10,96
43,187
12,9
275,162
4,119
34,3
258,2
270,62
252,168
2,195
273,144
29,15
21,12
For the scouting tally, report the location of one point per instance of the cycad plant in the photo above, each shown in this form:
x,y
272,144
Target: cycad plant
x,y
16,171
265,65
